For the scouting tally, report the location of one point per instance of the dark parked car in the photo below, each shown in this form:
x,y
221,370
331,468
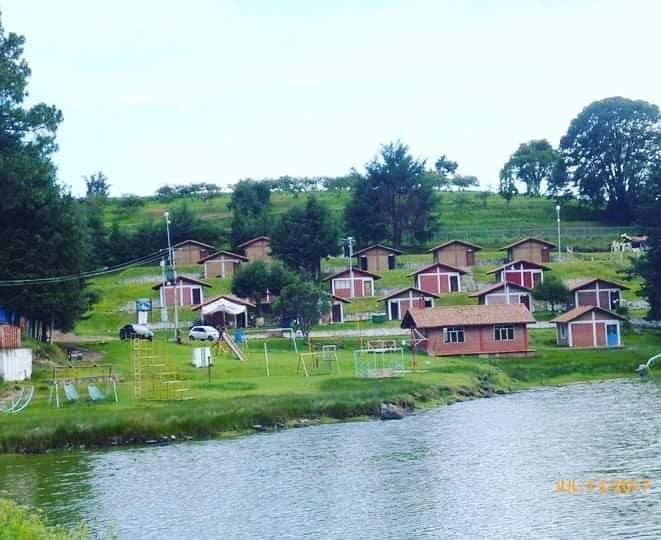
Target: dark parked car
x,y
140,331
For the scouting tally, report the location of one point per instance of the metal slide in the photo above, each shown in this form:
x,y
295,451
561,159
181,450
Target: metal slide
x,y
234,347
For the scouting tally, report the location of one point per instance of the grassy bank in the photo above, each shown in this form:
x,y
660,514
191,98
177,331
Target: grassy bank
x,y
241,396
22,523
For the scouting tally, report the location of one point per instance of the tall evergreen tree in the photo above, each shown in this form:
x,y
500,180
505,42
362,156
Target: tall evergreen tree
x,y
394,200
305,235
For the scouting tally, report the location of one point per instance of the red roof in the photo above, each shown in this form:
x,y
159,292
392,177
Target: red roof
x,y
187,280
467,316
420,292
450,242
584,282
355,271
229,297
528,239
222,252
185,242
381,246
518,261
253,240
434,265
575,313
497,286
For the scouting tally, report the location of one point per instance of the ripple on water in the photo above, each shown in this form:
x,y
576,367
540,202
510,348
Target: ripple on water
x,y
480,469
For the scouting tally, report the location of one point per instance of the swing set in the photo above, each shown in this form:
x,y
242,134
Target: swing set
x,y
68,379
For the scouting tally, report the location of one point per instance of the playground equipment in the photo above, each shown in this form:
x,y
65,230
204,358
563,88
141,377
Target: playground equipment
x,y
234,347
644,369
153,376
326,358
381,359
67,378
18,400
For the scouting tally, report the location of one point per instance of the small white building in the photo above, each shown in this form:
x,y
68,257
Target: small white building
x,y
504,293
402,300
15,361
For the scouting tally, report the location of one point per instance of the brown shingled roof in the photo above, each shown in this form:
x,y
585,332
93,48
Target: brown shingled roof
x,y
528,239
497,286
518,261
252,241
467,316
222,252
584,282
430,266
575,313
387,248
450,242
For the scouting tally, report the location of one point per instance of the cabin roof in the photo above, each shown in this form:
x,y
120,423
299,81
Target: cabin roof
x,y
355,271
528,239
253,240
195,242
575,284
381,246
222,252
577,312
495,287
340,299
407,289
187,280
518,261
467,316
228,297
434,265
450,242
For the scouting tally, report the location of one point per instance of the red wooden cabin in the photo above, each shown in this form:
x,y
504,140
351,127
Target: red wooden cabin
x,y
352,283
588,326
187,291
504,293
398,302
438,278
461,330
525,273
597,292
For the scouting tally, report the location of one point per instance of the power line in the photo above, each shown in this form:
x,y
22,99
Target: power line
x,y
153,257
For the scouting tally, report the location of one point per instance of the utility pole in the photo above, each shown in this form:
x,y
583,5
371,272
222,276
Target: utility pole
x,y
557,212
350,242
174,276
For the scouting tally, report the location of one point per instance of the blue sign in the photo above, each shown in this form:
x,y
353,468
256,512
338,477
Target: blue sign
x,y
143,304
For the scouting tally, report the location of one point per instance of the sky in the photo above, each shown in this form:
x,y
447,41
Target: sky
x,y
172,92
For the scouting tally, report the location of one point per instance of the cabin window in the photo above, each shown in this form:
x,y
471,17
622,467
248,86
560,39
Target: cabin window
x,y
391,262
342,283
428,302
363,262
504,332
453,334
536,278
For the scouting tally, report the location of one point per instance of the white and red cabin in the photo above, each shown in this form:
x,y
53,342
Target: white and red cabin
x,y
335,314
187,291
504,293
455,253
438,278
400,301
352,283
588,326
597,292
521,272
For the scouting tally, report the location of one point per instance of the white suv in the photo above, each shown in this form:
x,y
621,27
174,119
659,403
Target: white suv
x,y
208,333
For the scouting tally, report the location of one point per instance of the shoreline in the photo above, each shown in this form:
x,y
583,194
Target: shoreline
x,y
486,385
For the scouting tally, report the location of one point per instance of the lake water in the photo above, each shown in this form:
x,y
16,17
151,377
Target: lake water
x,y
482,469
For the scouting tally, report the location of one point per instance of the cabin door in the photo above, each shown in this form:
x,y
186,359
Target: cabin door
x,y
336,313
394,311
454,283
363,262
197,296
546,257
391,262
611,335
525,300
614,300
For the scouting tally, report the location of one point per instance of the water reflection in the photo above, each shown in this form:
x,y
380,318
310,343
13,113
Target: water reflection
x,y
486,468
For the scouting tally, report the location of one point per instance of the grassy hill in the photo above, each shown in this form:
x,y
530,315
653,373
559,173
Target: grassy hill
x,y
471,215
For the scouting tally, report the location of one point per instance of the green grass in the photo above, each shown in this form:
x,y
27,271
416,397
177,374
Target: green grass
x,y
240,395
22,523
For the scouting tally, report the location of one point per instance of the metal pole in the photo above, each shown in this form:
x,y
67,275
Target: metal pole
x,y
350,241
174,275
557,211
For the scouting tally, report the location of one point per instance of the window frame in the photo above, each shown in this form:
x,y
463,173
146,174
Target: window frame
x,y
508,331
454,334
